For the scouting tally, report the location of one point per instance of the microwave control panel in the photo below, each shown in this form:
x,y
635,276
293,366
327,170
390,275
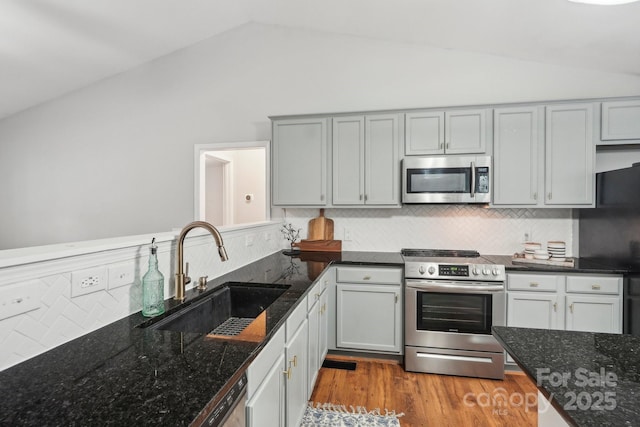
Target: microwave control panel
x,y
482,180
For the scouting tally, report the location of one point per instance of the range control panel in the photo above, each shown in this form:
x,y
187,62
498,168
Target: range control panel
x,y
484,272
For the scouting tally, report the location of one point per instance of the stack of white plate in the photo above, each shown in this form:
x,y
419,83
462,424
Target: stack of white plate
x,y
530,249
557,250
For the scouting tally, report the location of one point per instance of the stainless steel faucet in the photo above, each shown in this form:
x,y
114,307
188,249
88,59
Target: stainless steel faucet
x,y
181,278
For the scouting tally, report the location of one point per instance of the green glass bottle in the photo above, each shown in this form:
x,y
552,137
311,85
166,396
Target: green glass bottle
x,y
153,286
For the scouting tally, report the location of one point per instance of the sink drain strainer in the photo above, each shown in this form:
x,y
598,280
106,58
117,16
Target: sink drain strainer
x,y
232,326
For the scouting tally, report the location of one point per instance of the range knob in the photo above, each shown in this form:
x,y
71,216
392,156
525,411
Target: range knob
x,y
421,269
485,270
495,271
432,270
474,270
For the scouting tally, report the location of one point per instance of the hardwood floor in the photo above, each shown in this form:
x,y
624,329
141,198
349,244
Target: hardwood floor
x,y
427,399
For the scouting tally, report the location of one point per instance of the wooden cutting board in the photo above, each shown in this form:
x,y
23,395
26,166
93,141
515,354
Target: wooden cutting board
x,y
320,228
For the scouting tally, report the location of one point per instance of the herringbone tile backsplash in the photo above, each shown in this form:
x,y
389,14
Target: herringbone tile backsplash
x,y
490,231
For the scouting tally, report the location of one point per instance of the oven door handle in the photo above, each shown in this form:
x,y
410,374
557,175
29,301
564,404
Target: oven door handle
x,y
456,287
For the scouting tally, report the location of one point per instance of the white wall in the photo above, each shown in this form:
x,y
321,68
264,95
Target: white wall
x,y
249,178
115,158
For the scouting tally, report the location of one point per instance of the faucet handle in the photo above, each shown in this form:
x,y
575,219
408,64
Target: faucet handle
x,y
202,283
187,279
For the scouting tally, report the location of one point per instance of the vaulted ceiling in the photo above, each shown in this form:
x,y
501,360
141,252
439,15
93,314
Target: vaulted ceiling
x,y
51,47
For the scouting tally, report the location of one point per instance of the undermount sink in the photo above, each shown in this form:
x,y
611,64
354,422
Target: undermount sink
x,y
227,312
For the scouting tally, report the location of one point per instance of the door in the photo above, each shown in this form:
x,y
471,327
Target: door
x,y
466,131
348,160
368,317
534,310
516,162
594,313
296,364
266,406
313,317
299,162
382,162
570,153
424,133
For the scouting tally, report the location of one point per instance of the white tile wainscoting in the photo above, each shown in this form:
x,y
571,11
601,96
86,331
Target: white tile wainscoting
x,y
59,317
488,230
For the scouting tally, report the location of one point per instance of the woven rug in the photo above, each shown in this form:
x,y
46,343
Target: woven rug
x,y
327,414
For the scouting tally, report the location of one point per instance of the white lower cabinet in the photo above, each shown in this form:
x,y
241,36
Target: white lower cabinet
x,y
576,302
277,378
369,309
266,385
317,319
533,310
296,375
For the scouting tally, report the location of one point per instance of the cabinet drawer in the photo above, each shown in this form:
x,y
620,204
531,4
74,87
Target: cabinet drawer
x,y
296,318
261,365
534,282
594,284
391,276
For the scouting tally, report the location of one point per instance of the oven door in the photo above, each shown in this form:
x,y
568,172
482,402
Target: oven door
x,y
453,315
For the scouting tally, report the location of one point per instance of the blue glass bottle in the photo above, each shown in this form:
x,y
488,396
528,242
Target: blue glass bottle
x,y
153,286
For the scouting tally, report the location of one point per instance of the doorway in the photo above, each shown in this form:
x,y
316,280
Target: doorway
x,y
232,183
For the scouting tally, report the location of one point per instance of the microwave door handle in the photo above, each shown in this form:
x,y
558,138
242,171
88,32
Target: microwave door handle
x,y
473,179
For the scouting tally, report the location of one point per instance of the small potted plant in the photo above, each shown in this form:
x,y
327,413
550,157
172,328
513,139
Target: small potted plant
x,y
292,235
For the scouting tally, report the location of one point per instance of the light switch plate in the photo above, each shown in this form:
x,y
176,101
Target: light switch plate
x,y
122,274
18,299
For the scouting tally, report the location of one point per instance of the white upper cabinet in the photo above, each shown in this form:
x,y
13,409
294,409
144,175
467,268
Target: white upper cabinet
x,y
544,156
518,161
446,132
570,154
299,162
366,161
620,121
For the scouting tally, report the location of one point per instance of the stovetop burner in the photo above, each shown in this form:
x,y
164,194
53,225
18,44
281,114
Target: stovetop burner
x,y
440,253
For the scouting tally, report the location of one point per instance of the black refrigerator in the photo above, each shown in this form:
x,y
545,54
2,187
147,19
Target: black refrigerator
x,y
610,234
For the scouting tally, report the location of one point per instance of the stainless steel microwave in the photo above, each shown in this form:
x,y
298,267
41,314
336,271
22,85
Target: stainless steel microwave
x,y
446,179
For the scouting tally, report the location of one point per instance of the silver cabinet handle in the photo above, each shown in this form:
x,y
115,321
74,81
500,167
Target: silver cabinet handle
x,y
535,196
533,285
571,307
555,306
549,196
595,287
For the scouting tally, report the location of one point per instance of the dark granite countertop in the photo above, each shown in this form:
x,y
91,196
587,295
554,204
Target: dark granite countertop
x,y
602,368
125,375
581,265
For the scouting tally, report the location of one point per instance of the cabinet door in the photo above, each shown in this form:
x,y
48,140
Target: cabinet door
x,y
313,349
348,160
382,163
466,131
620,120
369,317
296,364
534,310
570,152
266,406
424,133
516,148
299,162
594,313
323,331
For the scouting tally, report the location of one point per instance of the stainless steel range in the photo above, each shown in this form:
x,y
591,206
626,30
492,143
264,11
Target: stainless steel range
x,y
452,298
